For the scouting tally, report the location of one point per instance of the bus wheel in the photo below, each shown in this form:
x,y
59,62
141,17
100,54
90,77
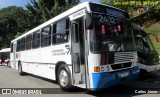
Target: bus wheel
x,y
20,69
64,78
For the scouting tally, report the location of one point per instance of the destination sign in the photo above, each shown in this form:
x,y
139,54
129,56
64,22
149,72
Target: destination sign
x,y
114,13
108,10
77,14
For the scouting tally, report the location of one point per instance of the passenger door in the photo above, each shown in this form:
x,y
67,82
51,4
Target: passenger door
x,y
78,52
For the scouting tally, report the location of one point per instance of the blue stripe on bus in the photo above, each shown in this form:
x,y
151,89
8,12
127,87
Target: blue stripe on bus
x,y
105,79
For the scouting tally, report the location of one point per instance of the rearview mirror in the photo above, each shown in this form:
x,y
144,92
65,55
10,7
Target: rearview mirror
x,y
88,21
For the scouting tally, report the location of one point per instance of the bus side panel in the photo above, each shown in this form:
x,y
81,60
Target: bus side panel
x,y
47,67
36,60
22,58
62,53
91,64
27,66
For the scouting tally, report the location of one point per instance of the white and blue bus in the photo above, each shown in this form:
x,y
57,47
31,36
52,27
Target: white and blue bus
x,y
4,56
89,46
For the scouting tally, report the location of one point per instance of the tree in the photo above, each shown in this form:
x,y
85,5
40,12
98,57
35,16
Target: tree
x,y
107,2
43,10
111,2
15,20
12,20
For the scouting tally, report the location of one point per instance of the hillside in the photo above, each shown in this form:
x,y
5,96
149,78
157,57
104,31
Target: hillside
x,y
154,28
150,22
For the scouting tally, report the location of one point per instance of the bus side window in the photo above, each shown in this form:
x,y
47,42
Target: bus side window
x,y
46,36
36,39
28,42
61,31
18,45
11,47
23,44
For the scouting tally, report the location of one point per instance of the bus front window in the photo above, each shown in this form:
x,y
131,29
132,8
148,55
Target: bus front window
x,y
111,34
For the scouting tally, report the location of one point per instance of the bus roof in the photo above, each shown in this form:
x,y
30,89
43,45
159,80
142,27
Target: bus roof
x,y
5,50
63,15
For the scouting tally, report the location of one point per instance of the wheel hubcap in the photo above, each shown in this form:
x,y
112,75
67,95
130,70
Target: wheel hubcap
x,y
63,78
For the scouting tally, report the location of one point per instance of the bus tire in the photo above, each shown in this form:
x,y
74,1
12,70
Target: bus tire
x,y
20,68
64,78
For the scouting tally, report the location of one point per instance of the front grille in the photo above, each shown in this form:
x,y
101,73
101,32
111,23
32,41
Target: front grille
x,y
120,66
107,58
116,57
121,57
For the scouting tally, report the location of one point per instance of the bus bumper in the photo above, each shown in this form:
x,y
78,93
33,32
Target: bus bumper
x,y
150,68
106,79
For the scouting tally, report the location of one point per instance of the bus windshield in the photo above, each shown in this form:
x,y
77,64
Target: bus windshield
x,y
111,34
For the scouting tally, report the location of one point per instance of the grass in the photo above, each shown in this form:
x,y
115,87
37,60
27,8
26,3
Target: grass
x,y
154,28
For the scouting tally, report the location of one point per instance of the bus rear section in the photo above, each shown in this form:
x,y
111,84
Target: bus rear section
x,y
4,56
148,58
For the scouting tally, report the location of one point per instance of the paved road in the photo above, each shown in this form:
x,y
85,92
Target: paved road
x,y
9,78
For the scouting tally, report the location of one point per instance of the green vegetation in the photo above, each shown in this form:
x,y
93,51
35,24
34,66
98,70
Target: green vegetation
x,y
15,21
154,28
150,22
43,10
12,20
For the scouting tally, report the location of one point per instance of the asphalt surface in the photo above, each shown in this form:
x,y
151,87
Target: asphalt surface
x,y
10,79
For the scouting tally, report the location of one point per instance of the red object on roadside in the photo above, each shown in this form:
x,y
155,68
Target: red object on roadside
x,y
156,37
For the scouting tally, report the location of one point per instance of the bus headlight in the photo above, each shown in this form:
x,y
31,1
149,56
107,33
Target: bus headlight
x,y
96,69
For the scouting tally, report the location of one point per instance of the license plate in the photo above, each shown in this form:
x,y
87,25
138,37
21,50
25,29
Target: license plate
x,y
124,74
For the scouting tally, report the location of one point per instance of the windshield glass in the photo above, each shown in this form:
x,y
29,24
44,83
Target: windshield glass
x,y
143,42
111,34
